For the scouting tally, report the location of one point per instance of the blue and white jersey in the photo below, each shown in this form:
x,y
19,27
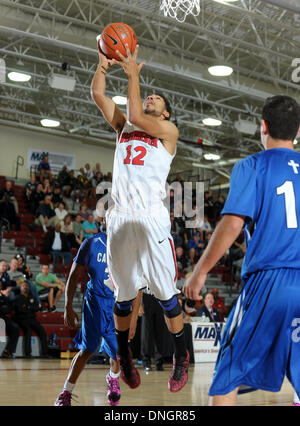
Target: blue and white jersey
x,y
265,187
92,252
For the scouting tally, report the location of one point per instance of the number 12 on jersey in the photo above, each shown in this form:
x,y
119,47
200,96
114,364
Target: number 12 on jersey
x,y
290,203
137,160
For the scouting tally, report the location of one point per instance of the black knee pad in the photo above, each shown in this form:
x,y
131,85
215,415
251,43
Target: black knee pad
x,y
171,307
122,309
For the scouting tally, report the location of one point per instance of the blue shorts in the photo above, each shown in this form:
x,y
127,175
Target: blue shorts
x,y
97,323
261,341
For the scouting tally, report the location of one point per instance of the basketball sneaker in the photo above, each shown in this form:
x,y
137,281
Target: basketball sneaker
x,y
129,373
113,393
179,375
63,399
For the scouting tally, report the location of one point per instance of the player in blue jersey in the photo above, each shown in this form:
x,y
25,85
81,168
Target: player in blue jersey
x,y
261,341
97,318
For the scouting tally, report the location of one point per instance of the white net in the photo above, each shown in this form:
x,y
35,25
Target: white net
x,y
179,9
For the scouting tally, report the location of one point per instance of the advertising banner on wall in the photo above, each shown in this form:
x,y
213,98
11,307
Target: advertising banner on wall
x,y
206,340
56,159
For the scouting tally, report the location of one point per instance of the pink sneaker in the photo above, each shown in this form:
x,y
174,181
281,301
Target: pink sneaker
x,y
113,393
64,399
296,404
129,373
179,375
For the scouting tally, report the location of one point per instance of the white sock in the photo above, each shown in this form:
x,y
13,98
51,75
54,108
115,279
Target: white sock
x,y
44,228
296,399
114,375
68,386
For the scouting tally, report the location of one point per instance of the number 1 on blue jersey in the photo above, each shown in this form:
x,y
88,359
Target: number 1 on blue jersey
x,y
290,203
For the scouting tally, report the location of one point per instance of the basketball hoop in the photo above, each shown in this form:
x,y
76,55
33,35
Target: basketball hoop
x,y
179,9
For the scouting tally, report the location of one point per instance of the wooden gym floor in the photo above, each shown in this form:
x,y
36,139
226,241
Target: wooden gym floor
x,y
38,382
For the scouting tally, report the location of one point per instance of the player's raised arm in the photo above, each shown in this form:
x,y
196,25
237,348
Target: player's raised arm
x,y
154,122
109,109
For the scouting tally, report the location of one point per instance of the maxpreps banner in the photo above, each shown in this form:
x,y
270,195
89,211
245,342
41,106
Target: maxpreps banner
x,y
206,340
56,159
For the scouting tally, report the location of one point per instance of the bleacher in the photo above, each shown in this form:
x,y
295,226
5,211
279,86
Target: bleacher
x,y
30,244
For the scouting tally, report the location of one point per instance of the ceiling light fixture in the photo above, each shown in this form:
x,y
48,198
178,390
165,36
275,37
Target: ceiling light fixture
x,y
18,76
213,157
46,122
211,122
225,1
220,70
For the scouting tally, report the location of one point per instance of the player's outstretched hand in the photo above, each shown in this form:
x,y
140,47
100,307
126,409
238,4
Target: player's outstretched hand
x,y
104,62
129,64
193,286
69,317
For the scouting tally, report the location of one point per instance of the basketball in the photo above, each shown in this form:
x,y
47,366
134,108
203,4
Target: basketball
x,y
115,37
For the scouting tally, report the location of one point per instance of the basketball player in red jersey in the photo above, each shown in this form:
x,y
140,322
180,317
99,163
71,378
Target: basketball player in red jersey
x,y
140,247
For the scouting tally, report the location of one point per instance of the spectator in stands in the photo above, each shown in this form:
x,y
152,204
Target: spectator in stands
x,y
192,259
96,180
181,262
205,224
78,229
77,192
196,243
49,285
219,303
208,204
218,206
30,188
60,211
83,212
208,310
46,215
56,244
176,230
16,279
47,187
99,221
89,227
4,278
23,268
67,229
207,238
97,169
63,177
45,169
10,193
36,198
11,328
57,196
87,170
70,183
108,177
25,308
86,186
8,212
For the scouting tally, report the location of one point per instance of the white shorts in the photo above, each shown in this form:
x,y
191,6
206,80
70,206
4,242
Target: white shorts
x,y
141,253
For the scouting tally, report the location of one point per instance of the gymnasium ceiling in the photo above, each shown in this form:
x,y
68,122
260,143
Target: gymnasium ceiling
x,y
256,38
